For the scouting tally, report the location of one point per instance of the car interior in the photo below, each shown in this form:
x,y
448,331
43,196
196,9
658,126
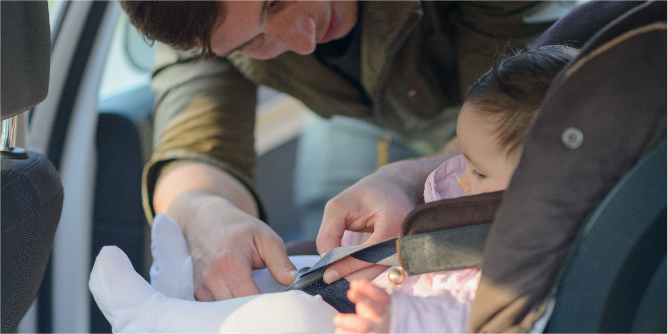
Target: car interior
x,y
76,133
94,128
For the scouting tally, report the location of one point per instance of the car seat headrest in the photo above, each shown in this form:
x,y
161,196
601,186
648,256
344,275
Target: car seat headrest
x,y
26,50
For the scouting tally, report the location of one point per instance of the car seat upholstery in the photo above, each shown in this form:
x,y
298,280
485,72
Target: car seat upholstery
x,y
32,194
615,278
601,116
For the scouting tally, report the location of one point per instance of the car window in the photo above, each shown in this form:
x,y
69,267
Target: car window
x,y
129,60
55,8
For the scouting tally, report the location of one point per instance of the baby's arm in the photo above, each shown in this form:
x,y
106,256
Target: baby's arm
x,y
372,305
447,311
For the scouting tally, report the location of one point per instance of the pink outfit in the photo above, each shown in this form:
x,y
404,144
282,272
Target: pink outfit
x,y
433,302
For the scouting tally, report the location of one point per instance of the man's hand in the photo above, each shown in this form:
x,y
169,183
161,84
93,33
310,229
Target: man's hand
x,y
378,203
217,215
226,244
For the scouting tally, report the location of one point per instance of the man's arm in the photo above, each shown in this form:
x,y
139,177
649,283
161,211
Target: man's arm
x,y
200,174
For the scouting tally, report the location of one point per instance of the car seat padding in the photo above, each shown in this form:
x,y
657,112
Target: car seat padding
x,y
614,93
616,254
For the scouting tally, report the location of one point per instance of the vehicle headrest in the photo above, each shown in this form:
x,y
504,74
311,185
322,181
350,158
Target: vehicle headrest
x,y
26,50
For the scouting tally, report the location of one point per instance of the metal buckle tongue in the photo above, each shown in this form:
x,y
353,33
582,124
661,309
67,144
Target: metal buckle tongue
x,y
308,278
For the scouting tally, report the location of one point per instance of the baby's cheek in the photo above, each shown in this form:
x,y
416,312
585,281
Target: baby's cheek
x,y
495,185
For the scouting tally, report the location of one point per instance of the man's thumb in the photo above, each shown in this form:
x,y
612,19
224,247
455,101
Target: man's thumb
x,y
281,268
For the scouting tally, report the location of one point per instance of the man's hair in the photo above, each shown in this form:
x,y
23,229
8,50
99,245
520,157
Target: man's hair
x,y
184,25
515,87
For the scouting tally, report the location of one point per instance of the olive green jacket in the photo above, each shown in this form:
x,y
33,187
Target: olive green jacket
x,y
417,59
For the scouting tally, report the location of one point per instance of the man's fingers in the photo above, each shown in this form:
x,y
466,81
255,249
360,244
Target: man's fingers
x,y
349,265
368,273
204,293
334,223
326,242
241,284
273,254
343,268
230,276
329,237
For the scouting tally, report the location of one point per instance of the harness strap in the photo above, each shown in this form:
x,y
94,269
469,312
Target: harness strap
x,y
443,235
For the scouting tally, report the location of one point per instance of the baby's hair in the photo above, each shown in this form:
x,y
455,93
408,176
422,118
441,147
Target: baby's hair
x,y
515,87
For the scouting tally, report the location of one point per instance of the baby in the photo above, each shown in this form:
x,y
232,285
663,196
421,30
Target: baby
x,y
497,112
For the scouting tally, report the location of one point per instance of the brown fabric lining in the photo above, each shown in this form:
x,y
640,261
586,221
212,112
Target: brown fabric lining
x,y
450,213
455,215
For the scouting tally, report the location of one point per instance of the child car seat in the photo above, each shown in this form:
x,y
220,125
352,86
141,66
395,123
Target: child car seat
x,y
603,114
616,281
32,194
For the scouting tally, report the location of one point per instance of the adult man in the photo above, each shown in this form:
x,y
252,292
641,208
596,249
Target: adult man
x,y
400,65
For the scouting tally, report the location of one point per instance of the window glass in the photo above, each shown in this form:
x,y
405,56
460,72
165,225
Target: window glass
x,y
55,6
129,60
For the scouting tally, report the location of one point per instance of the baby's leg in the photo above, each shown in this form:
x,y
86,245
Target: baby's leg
x,y
171,260
130,304
372,306
283,312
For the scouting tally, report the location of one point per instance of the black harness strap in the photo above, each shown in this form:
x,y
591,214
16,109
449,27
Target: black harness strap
x,y
443,235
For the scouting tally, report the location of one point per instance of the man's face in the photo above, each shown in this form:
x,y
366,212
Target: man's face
x,y
266,29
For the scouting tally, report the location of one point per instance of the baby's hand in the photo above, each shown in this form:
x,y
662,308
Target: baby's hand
x,y
372,305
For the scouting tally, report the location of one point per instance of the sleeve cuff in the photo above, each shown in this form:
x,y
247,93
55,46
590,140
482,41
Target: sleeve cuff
x,y
155,167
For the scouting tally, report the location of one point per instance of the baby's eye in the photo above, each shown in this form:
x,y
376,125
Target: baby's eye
x,y
480,176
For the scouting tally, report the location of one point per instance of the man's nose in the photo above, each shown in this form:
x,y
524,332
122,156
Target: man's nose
x,y
297,34
464,183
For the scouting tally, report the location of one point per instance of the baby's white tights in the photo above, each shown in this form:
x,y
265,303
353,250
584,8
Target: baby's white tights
x,y
130,304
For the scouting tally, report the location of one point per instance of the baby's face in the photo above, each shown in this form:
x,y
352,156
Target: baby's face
x,y
488,168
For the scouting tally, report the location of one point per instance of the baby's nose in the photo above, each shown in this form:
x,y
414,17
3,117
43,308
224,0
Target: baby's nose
x,y
464,183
